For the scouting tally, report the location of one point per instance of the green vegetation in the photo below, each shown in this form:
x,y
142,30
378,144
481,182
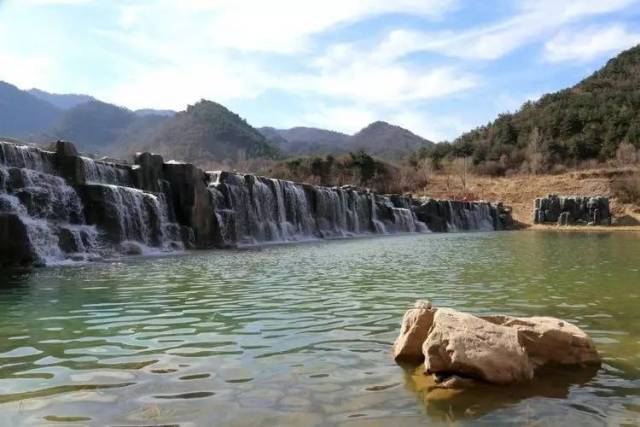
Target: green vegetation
x,y
355,168
208,133
96,124
586,122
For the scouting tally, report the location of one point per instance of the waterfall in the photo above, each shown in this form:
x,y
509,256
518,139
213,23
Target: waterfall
x,y
48,208
377,224
251,209
24,156
256,209
98,172
136,216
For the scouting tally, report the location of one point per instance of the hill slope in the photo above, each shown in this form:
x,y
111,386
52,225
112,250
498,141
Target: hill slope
x,y
387,141
587,121
64,101
304,141
380,139
98,127
22,114
208,132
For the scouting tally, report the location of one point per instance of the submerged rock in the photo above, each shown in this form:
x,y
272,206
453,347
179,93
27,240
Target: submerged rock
x,y
458,346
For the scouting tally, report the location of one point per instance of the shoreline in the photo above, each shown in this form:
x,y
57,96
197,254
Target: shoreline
x,y
583,228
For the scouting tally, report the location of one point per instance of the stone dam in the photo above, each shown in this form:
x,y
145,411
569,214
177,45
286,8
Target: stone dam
x,y
572,210
59,206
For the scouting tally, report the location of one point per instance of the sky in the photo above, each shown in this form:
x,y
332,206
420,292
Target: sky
x,y
436,67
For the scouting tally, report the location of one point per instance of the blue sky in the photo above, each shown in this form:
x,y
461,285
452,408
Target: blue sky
x,y
437,67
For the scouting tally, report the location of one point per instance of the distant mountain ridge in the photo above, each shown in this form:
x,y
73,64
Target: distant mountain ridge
x,y
303,141
22,114
379,138
61,101
205,132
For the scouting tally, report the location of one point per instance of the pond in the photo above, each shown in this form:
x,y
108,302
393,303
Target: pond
x,y
301,334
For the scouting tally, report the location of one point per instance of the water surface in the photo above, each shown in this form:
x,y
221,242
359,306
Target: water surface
x,y
301,334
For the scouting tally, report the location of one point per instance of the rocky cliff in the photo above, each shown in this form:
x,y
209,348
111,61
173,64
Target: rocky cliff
x,y
58,206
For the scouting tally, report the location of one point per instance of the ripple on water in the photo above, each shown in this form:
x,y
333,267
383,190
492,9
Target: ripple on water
x,y
300,334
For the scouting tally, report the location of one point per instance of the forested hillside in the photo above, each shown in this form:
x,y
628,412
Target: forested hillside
x,y
591,120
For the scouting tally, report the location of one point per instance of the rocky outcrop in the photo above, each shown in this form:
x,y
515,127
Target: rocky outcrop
x,y
73,206
493,349
573,210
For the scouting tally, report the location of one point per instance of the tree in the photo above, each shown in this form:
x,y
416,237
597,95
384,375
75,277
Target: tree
x,y
626,154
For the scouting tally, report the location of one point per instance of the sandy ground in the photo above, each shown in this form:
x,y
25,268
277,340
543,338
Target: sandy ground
x,y
519,192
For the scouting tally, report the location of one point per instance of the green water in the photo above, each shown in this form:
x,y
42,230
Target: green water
x,y
301,334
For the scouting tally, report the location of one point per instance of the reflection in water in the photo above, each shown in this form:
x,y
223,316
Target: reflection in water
x,y
301,334
479,399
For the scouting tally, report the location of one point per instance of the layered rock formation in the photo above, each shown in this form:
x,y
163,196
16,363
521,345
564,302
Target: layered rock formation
x,y
58,205
493,349
573,210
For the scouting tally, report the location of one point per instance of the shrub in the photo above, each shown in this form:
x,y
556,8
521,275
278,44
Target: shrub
x,y
627,189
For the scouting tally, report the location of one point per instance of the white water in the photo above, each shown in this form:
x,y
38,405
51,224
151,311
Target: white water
x,y
45,204
143,217
254,209
98,172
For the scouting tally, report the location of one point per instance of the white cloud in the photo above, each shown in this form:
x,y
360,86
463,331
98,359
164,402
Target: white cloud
x,y
282,26
433,127
53,2
178,69
590,43
347,119
533,21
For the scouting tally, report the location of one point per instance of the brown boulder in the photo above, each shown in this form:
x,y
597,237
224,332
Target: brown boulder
x,y
415,328
551,342
466,345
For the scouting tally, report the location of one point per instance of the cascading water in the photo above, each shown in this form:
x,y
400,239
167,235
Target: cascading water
x,y
98,172
252,209
48,208
48,198
465,216
138,216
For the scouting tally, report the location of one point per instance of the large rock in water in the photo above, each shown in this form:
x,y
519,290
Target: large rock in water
x,y
549,341
463,344
494,349
416,324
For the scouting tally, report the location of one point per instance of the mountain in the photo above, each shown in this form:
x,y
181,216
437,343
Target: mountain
x,y
387,141
208,132
64,101
587,121
304,141
22,114
379,139
153,112
98,127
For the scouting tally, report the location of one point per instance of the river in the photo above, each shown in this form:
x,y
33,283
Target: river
x,y
301,334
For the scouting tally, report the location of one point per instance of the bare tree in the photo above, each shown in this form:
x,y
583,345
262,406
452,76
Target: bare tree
x,y
626,154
